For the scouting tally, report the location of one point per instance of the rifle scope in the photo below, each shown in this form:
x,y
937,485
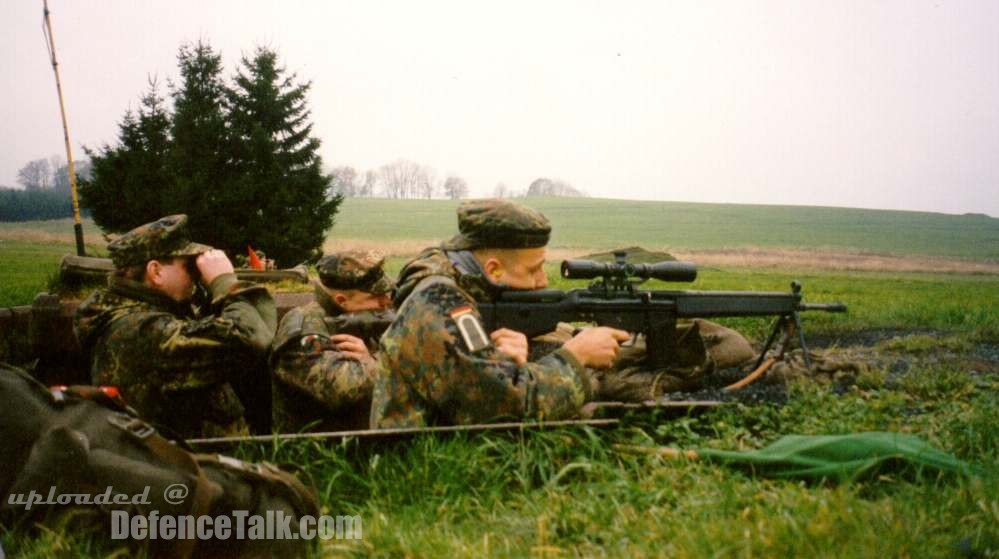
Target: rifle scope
x,y
665,271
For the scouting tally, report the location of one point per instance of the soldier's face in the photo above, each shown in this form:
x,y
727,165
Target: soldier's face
x,y
174,279
523,268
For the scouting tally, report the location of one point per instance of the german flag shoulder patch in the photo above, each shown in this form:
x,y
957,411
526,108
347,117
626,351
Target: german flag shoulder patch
x,y
470,328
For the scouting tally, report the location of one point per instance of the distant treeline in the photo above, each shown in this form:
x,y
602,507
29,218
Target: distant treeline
x,y
406,179
27,205
46,192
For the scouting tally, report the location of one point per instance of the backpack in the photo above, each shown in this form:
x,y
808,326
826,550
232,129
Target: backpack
x,y
82,440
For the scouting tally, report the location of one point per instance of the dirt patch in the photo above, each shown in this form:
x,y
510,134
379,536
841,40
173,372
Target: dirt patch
x,y
831,259
34,236
743,257
405,248
753,394
865,338
864,345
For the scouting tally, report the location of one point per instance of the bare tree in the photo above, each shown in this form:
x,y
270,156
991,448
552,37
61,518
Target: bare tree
x,y
563,188
427,182
401,178
345,181
539,187
370,184
55,162
455,188
397,177
60,175
501,190
35,175
548,187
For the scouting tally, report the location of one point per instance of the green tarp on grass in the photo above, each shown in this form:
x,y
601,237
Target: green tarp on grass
x,y
842,457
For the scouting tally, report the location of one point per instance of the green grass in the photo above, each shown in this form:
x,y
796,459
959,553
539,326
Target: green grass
x,y
948,302
605,224
30,252
91,233
571,493
29,267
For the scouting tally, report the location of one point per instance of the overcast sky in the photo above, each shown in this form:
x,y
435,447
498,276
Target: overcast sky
x,y
887,104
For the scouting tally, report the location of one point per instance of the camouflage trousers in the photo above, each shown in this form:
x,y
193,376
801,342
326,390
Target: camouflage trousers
x,y
702,348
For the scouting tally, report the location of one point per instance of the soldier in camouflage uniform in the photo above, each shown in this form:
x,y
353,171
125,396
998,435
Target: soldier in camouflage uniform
x,y
439,367
322,355
172,363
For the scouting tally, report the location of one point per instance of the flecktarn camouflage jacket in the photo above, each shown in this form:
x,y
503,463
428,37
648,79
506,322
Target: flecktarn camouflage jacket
x,y
175,368
434,373
314,385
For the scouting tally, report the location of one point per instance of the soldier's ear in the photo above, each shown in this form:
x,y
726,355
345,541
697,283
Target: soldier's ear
x,y
154,268
493,267
339,298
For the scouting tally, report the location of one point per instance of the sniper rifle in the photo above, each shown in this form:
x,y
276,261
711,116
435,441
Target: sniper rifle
x,y
614,299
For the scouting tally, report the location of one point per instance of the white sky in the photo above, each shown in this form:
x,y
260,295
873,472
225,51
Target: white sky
x,y
888,104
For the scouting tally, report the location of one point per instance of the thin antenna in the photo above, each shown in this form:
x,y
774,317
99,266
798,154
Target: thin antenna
x,y
71,167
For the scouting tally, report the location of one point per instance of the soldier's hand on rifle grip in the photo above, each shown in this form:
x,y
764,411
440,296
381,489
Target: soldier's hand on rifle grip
x,y
512,343
213,264
597,347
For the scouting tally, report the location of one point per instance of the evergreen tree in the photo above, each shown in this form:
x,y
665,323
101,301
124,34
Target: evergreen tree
x,y
129,183
37,203
280,191
200,156
241,162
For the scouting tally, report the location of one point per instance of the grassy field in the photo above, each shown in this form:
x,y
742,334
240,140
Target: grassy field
x,y
30,253
934,343
570,492
603,224
724,236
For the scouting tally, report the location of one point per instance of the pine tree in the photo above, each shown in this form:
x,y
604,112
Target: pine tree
x,y
129,182
200,157
280,191
241,161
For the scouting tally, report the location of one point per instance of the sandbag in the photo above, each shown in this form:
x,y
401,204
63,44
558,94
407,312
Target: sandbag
x,y
726,347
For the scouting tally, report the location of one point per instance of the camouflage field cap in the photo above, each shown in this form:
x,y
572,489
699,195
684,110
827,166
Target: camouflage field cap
x,y
164,238
496,223
355,269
